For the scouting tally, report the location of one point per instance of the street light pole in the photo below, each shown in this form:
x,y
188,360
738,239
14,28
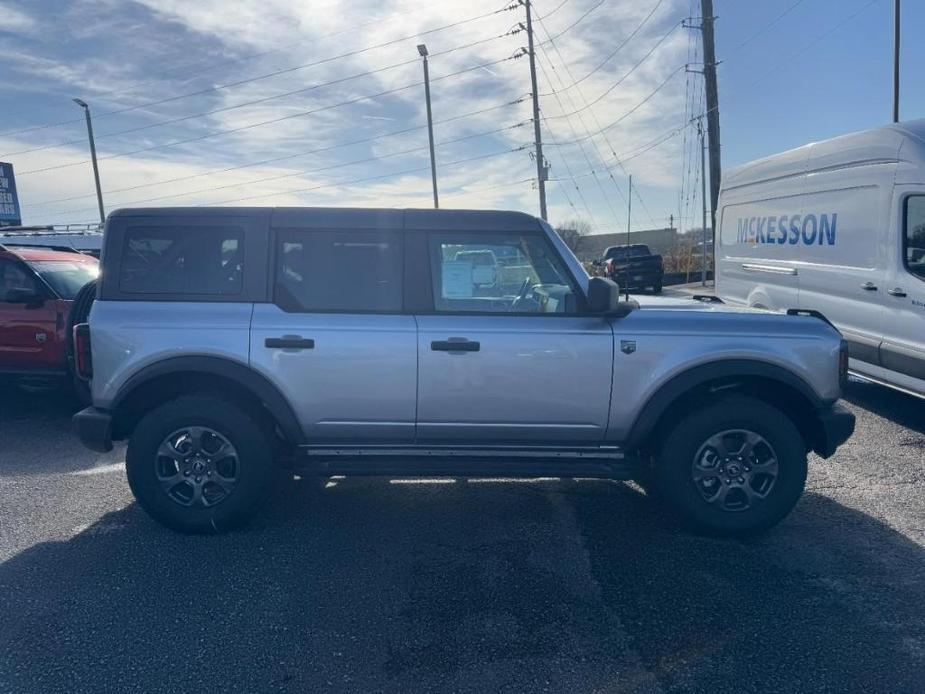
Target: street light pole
x,y
96,170
422,49
896,61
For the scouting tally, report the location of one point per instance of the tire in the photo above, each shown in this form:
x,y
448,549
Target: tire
x,y
231,488
773,469
657,287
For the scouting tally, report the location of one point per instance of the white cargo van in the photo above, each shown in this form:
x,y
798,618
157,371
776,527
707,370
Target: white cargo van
x,y
839,227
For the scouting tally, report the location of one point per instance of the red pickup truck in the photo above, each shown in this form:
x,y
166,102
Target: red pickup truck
x,y
37,289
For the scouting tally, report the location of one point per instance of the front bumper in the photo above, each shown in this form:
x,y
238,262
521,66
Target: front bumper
x,y
94,428
836,427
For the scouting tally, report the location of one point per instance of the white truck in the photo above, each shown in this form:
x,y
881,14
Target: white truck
x,y
837,227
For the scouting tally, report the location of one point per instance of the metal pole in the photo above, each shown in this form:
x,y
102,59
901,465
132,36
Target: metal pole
x,y
96,170
703,196
712,99
422,49
540,162
629,217
896,35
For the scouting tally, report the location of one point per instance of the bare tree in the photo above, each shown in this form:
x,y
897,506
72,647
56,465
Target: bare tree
x,y
571,231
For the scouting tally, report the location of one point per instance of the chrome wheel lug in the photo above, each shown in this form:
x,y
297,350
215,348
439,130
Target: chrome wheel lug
x,y
186,473
728,481
198,479
741,480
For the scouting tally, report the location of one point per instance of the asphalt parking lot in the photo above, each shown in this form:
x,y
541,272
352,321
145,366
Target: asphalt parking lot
x,y
388,585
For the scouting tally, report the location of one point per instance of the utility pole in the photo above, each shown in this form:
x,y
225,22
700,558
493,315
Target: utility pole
x,y
895,61
709,76
629,217
96,170
422,50
541,169
703,196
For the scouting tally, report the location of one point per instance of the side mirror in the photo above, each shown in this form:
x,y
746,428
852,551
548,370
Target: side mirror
x,y
603,295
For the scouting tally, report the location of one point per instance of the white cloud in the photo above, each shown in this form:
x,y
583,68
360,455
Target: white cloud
x,y
249,38
15,20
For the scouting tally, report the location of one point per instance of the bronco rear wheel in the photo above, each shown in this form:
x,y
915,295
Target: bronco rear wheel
x,y
199,464
735,468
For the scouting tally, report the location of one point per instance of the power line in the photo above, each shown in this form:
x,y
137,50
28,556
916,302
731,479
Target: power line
x,y
575,133
575,23
290,116
261,100
188,75
330,167
626,115
594,115
767,26
274,160
315,63
812,44
362,180
616,50
631,70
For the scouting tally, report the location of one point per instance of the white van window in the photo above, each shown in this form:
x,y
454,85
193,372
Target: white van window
x,y
914,241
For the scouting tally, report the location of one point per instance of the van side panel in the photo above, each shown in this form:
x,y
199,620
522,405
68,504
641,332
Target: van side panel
x,y
844,277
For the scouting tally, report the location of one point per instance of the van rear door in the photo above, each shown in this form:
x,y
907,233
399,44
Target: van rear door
x,y
903,347
842,231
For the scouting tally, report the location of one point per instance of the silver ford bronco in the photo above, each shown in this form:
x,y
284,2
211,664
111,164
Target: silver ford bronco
x,y
227,344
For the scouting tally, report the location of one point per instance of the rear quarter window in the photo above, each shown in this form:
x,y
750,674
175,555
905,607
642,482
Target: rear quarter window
x,y
182,260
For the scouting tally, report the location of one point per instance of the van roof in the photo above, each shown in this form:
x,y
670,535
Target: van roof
x,y
891,143
352,217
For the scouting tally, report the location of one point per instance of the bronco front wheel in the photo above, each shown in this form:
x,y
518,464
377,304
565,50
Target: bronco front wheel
x,y
735,468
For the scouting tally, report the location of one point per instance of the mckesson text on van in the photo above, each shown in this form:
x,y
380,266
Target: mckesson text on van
x,y
794,229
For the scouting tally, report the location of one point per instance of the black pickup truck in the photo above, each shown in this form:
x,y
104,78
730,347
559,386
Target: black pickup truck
x,y
634,267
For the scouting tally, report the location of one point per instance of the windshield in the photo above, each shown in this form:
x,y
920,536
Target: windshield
x,y
66,277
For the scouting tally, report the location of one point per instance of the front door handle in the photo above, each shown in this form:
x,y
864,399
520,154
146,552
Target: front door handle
x,y
455,344
896,291
289,342
869,286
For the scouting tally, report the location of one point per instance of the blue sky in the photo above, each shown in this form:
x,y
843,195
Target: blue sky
x,y
247,101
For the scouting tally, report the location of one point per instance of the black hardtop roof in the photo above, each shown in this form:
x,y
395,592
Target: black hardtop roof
x,y
350,217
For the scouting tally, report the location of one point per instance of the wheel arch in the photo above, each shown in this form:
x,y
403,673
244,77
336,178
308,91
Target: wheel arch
x,y
707,382
176,376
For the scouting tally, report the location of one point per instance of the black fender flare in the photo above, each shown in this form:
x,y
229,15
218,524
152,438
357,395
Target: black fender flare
x,y
254,382
668,393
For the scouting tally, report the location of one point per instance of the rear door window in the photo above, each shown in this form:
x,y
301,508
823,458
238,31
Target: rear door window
x,y
338,271
182,260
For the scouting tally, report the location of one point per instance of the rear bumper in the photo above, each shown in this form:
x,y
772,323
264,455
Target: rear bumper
x,y
94,428
837,426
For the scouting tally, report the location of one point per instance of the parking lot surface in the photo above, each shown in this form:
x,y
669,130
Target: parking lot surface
x,y
460,585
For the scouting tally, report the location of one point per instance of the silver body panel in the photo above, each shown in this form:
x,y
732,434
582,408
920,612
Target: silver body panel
x,y
131,335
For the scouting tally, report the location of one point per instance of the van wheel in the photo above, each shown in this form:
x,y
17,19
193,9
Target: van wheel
x,y
199,464
735,468
657,288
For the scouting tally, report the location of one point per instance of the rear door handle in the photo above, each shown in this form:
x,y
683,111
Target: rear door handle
x,y
289,342
896,291
455,344
869,286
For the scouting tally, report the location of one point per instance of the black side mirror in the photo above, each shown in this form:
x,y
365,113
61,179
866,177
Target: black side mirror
x,y
603,295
